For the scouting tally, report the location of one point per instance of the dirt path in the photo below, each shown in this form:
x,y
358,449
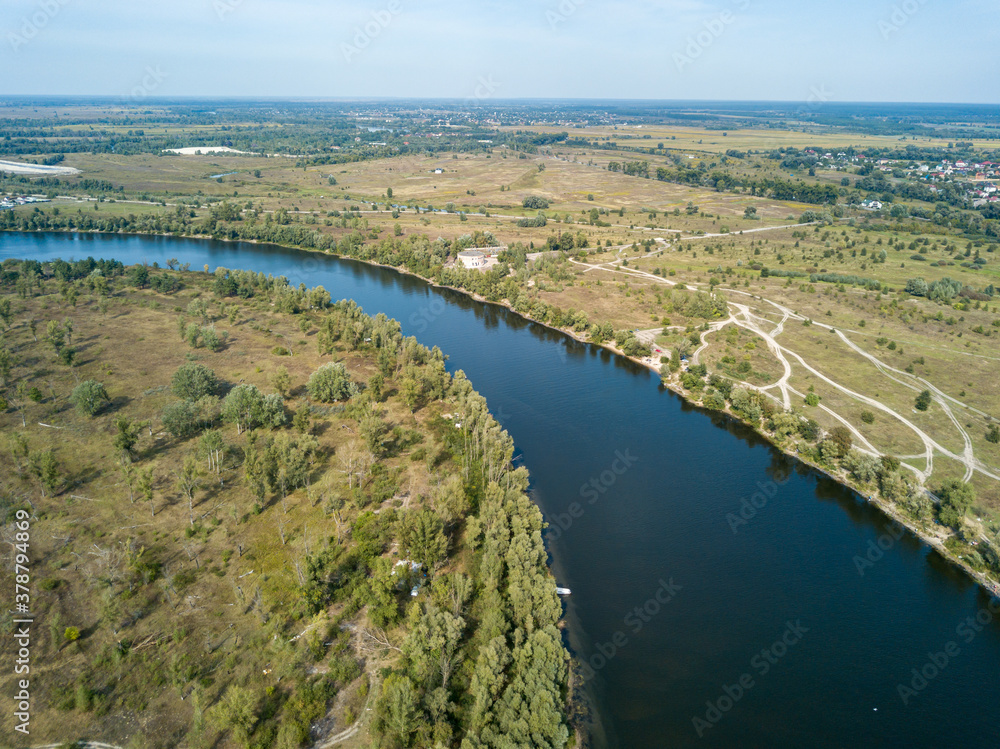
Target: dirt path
x,y
744,317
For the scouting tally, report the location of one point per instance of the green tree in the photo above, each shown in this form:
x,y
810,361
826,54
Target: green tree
x,y
45,469
181,419
188,483
244,406
144,488
956,499
423,538
397,709
302,420
212,448
331,383
923,401
7,363
126,437
281,380
843,439
89,396
6,313
193,381
236,712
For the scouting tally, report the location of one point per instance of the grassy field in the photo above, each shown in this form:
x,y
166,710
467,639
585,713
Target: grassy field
x,y
170,602
686,235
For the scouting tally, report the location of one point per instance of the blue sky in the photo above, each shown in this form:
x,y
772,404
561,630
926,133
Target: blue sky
x,y
853,50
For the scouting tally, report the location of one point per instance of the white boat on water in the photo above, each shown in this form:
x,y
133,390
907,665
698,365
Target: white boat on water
x,y
562,591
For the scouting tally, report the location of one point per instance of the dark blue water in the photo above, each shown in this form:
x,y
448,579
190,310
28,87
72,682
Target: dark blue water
x,y
766,616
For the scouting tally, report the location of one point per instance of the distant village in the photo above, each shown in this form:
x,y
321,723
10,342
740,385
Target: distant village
x,y
11,201
981,179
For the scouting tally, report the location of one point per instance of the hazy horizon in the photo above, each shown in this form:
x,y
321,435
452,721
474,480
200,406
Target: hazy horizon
x,y
604,50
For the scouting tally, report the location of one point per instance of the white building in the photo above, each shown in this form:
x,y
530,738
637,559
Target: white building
x,y
472,258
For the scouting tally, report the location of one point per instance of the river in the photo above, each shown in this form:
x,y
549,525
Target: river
x,y
722,594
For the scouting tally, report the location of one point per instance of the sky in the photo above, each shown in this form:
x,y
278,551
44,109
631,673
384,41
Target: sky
x,y
788,50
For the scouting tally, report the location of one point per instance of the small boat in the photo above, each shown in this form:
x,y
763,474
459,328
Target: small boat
x,y
562,591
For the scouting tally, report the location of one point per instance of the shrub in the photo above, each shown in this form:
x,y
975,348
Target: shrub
x,y
923,401
181,419
812,399
868,417
536,202
331,383
192,381
89,396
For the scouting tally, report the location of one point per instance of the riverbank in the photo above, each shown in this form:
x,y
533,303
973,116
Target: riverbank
x,y
889,509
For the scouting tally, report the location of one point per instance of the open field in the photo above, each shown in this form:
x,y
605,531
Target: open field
x,y
194,566
624,244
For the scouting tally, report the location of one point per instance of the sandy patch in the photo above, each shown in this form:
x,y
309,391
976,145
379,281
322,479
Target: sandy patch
x,y
36,170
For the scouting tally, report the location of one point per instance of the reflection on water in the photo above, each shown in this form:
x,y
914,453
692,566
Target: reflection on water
x,y
573,409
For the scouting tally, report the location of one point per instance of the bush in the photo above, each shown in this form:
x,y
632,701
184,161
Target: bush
x,y
812,399
993,435
331,383
923,401
536,202
181,419
89,396
956,498
193,381
868,417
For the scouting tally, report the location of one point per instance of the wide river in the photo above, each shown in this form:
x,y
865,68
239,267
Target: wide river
x,y
722,595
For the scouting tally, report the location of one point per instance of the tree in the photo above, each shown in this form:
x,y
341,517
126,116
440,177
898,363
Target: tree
x,y
181,419
843,439
923,401
302,420
7,363
423,538
193,381
396,710
993,434
45,469
244,406
281,380
956,499
237,713
6,313
188,483
331,383
89,396
144,487
55,335
126,437
212,447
